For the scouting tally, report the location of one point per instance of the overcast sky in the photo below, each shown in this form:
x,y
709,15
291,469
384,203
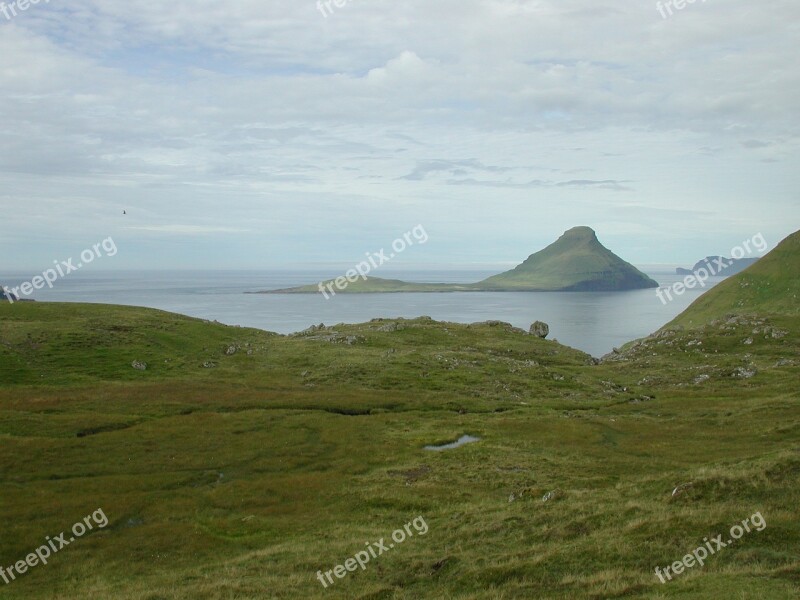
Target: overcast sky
x,y
262,133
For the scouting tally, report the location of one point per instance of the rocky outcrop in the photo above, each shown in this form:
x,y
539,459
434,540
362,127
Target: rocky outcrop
x,y
540,329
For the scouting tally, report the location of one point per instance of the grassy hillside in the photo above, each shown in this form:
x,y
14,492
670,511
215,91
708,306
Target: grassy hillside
x,y
283,455
54,344
769,287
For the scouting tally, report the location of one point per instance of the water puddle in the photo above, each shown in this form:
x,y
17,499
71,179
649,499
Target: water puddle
x,y
464,439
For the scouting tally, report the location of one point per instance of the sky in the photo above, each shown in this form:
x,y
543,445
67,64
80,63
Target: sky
x,y
263,134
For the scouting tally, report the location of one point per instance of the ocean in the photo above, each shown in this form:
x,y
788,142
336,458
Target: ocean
x,y
593,322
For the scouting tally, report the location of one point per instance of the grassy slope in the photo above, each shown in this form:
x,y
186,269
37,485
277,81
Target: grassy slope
x,y
769,287
241,481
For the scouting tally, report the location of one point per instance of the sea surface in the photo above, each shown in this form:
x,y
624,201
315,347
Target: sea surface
x,y
593,322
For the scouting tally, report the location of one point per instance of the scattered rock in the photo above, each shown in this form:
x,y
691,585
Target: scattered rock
x,y
139,365
494,323
639,399
748,341
134,522
682,488
701,378
614,386
554,495
231,350
744,372
540,329
439,564
412,475
522,494
209,365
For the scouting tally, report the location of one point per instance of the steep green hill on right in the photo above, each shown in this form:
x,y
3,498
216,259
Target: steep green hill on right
x,y
770,287
740,338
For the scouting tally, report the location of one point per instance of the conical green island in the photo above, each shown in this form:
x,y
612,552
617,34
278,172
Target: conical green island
x,y
576,262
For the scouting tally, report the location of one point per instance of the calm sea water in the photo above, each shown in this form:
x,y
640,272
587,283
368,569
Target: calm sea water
x,y
593,322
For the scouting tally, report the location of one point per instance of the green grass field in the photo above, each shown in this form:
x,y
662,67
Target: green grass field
x,y
240,463
244,479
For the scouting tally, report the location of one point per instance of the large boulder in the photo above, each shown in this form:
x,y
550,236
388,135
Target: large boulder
x,y
540,329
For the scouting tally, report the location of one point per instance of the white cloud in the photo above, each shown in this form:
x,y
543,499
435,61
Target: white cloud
x,y
503,121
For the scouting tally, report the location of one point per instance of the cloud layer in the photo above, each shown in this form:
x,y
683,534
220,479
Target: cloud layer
x,y
264,132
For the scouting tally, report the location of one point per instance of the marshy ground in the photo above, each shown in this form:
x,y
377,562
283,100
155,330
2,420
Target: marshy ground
x,y
239,463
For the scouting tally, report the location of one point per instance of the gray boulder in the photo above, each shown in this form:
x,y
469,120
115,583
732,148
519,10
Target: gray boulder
x,y
540,329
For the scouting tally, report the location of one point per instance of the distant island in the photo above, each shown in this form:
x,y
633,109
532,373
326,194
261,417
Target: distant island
x,y
719,266
576,262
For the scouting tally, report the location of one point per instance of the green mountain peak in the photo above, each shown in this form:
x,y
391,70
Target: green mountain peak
x,y
582,231
577,261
